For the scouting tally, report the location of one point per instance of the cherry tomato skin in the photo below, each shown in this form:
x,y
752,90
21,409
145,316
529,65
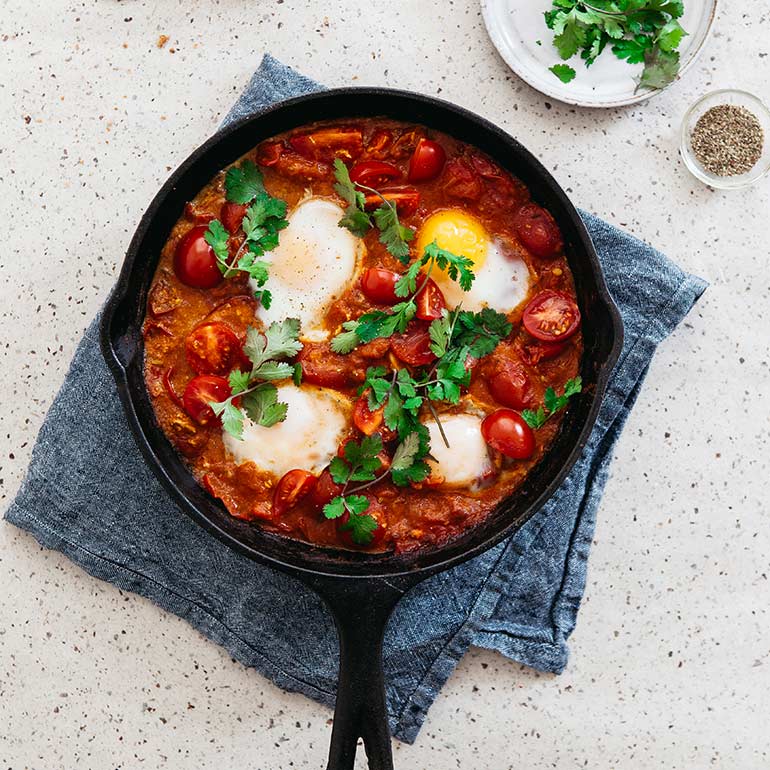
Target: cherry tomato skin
x,y
199,391
413,347
213,348
537,230
405,199
374,173
510,386
427,161
430,302
551,316
379,285
232,216
325,490
292,487
366,420
506,431
194,260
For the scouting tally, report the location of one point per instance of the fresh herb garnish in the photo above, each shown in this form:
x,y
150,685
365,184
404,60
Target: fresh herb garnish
x,y
637,30
360,463
263,220
455,338
257,395
393,235
552,404
378,323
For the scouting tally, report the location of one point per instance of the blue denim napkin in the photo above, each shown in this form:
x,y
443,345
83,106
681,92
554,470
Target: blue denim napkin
x,y
89,495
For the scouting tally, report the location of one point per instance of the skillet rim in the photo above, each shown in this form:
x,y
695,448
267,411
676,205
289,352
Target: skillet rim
x,y
423,565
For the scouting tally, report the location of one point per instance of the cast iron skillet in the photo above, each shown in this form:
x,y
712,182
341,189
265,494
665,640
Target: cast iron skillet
x,y
361,589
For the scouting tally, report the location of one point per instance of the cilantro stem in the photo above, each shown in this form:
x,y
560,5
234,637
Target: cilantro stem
x,y
600,10
434,414
388,203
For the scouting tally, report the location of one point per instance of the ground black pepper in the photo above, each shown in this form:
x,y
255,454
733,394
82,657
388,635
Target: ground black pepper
x,y
728,140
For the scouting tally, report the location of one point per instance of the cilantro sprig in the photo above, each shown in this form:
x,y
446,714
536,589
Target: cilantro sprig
x,y
455,338
647,31
552,404
263,220
254,390
393,235
360,463
378,323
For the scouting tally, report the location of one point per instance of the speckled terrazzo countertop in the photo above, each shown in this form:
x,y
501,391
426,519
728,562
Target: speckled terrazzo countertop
x,y
671,656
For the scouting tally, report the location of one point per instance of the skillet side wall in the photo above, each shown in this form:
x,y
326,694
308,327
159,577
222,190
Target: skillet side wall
x,y
122,342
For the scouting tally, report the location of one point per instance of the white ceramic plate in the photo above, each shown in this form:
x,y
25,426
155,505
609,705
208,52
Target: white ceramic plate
x,y
515,26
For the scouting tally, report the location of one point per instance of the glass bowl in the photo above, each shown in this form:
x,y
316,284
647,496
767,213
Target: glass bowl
x,y
705,103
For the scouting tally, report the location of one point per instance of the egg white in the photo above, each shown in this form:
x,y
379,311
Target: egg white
x,y
313,263
502,282
466,461
316,422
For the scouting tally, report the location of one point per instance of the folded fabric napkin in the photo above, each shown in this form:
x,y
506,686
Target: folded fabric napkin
x,y
520,598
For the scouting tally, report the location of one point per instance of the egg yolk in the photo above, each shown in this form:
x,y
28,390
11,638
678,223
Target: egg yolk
x,y
455,231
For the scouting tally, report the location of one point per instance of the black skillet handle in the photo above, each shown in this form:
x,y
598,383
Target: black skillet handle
x,y
361,610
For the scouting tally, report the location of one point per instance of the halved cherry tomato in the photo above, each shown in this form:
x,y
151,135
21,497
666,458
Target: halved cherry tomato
x,y
510,385
506,431
551,316
268,153
213,348
542,351
324,490
461,181
405,199
379,285
366,420
537,230
427,161
327,143
199,391
373,173
194,260
377,512
292,487
430,302
231,215
413,347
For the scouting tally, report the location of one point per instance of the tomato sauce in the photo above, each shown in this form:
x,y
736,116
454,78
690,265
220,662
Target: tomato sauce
x,y
515,376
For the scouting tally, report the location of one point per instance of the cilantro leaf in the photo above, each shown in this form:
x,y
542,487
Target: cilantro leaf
x,y
393,235
361,526
262,405
280,340
571,39
457,266
243,183
232,416
632,50
339,470
440,332
564,72
239,381
552,403
407,465
356,218
334,508
660,69
218,238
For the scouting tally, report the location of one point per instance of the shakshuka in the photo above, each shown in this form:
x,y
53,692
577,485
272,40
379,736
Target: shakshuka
x,y
363,334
